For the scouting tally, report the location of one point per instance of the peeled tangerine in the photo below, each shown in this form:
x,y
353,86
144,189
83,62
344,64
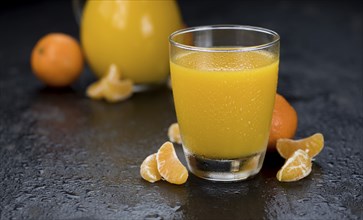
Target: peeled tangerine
x,y
169,166
174,133
149,169
111,87
164,164
296,167
312,145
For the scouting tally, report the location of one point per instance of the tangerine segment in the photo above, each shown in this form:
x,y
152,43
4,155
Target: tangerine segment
x,y
111,87
95,90
115,91
169,166
312,145
113,74
296,167
174,133
149,169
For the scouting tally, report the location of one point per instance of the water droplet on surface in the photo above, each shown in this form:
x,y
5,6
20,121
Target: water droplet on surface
x,y
37,187
88,191
303,200
302,214
176,208
153,217
334,181
18,207
112,209
71,195
81,208
342,208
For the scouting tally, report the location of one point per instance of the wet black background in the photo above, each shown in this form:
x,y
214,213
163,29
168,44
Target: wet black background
x,y
65,156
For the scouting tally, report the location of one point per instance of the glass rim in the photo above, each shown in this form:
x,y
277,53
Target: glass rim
x,y
226,27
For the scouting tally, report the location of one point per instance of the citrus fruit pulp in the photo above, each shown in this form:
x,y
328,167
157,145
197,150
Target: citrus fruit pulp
x,y
312,145
169,166
149,170
296,167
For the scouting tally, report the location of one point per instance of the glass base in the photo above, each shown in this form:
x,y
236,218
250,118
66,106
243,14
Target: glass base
x,y
224,170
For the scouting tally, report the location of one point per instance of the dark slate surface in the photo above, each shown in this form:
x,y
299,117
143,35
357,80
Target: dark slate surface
x,y
64,156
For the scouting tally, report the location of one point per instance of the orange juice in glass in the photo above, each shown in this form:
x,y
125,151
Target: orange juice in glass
x,y
224,81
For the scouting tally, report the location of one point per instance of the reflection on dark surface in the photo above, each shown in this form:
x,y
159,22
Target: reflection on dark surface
x,y
239,200
272,163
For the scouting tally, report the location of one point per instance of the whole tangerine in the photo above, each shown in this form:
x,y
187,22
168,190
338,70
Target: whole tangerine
x,y
57,59
284,122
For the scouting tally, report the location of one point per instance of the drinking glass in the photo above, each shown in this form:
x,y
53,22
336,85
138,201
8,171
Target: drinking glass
x,y
224,80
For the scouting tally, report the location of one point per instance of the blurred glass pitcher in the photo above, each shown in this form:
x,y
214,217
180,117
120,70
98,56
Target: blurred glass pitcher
x,y
131,34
